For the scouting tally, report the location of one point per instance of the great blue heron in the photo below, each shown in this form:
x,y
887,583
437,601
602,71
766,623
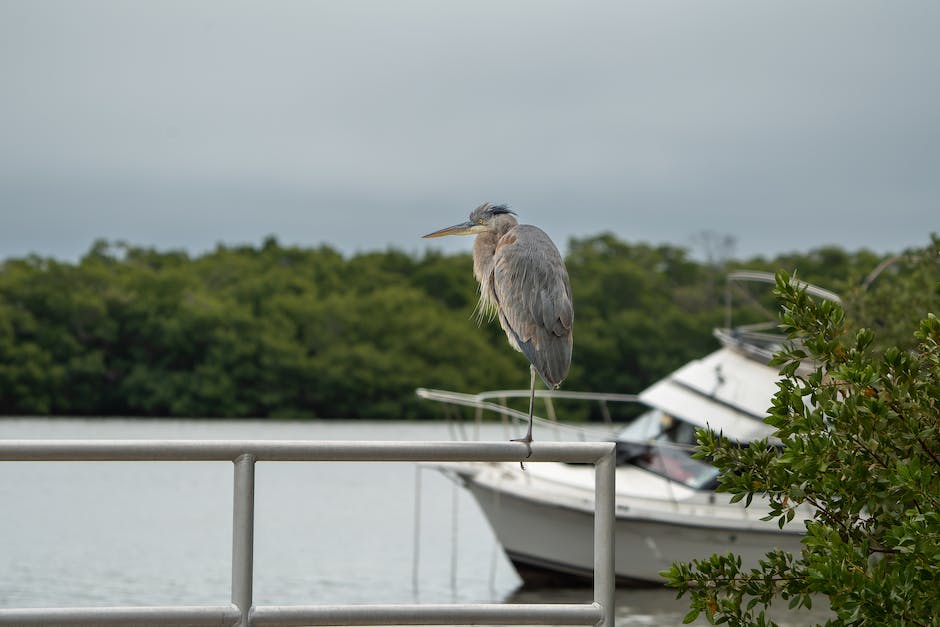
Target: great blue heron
x,y
523,277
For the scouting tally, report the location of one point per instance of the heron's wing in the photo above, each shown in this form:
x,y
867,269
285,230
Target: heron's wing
x,y
534,300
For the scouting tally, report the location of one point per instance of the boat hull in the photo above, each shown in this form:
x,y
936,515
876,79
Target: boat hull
x,y
552,544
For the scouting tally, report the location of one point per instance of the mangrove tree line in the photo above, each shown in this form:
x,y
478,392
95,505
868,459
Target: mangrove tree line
x,y
284,331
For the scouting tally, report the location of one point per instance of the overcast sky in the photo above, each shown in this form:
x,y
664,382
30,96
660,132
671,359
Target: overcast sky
x,y
363,125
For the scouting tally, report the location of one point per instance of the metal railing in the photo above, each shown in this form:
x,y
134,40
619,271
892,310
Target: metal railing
x,y
244,454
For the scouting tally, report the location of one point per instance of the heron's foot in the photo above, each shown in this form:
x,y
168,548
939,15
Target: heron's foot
x,y
527,440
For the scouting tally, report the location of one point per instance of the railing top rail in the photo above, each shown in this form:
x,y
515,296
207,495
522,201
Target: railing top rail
x,y
297,450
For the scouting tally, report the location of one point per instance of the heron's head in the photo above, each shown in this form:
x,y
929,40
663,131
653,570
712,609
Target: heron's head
x,y
486,217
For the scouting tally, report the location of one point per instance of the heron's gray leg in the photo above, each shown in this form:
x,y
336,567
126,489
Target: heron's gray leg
x,y
527,440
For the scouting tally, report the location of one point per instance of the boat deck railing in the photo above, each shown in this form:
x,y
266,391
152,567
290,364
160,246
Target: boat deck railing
x,y
241,610
496,401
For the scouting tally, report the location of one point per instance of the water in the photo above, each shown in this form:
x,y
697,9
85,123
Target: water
x,y
159,533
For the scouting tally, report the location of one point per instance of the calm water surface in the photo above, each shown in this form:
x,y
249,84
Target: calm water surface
x,y
152,533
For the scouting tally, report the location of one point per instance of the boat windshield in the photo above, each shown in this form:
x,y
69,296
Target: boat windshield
x,y
663,445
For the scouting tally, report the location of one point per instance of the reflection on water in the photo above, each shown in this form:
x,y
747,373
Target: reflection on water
x,y
152,533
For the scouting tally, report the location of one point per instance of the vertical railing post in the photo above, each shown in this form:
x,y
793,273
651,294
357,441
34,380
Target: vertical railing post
x,y
604,518
243,531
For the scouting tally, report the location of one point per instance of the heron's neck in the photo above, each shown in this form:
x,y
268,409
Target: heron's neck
x,y
484,249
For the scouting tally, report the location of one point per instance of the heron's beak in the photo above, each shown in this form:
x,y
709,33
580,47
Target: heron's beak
x,y
464,228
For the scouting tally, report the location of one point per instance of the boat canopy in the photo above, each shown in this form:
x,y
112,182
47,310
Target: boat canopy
x,y
725,391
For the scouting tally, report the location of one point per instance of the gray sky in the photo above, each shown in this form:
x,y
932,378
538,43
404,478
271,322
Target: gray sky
x,y
787,125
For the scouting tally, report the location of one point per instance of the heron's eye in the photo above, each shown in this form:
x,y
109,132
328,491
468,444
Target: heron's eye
x,y
479,220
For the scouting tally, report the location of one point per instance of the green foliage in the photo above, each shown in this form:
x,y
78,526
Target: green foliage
x,y
283,331
860,433
243,331
891,297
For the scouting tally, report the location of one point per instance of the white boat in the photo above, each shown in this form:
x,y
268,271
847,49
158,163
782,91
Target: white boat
x,y
666,507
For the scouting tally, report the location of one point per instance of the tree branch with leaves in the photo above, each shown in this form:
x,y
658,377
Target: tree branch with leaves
x,y
858,439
